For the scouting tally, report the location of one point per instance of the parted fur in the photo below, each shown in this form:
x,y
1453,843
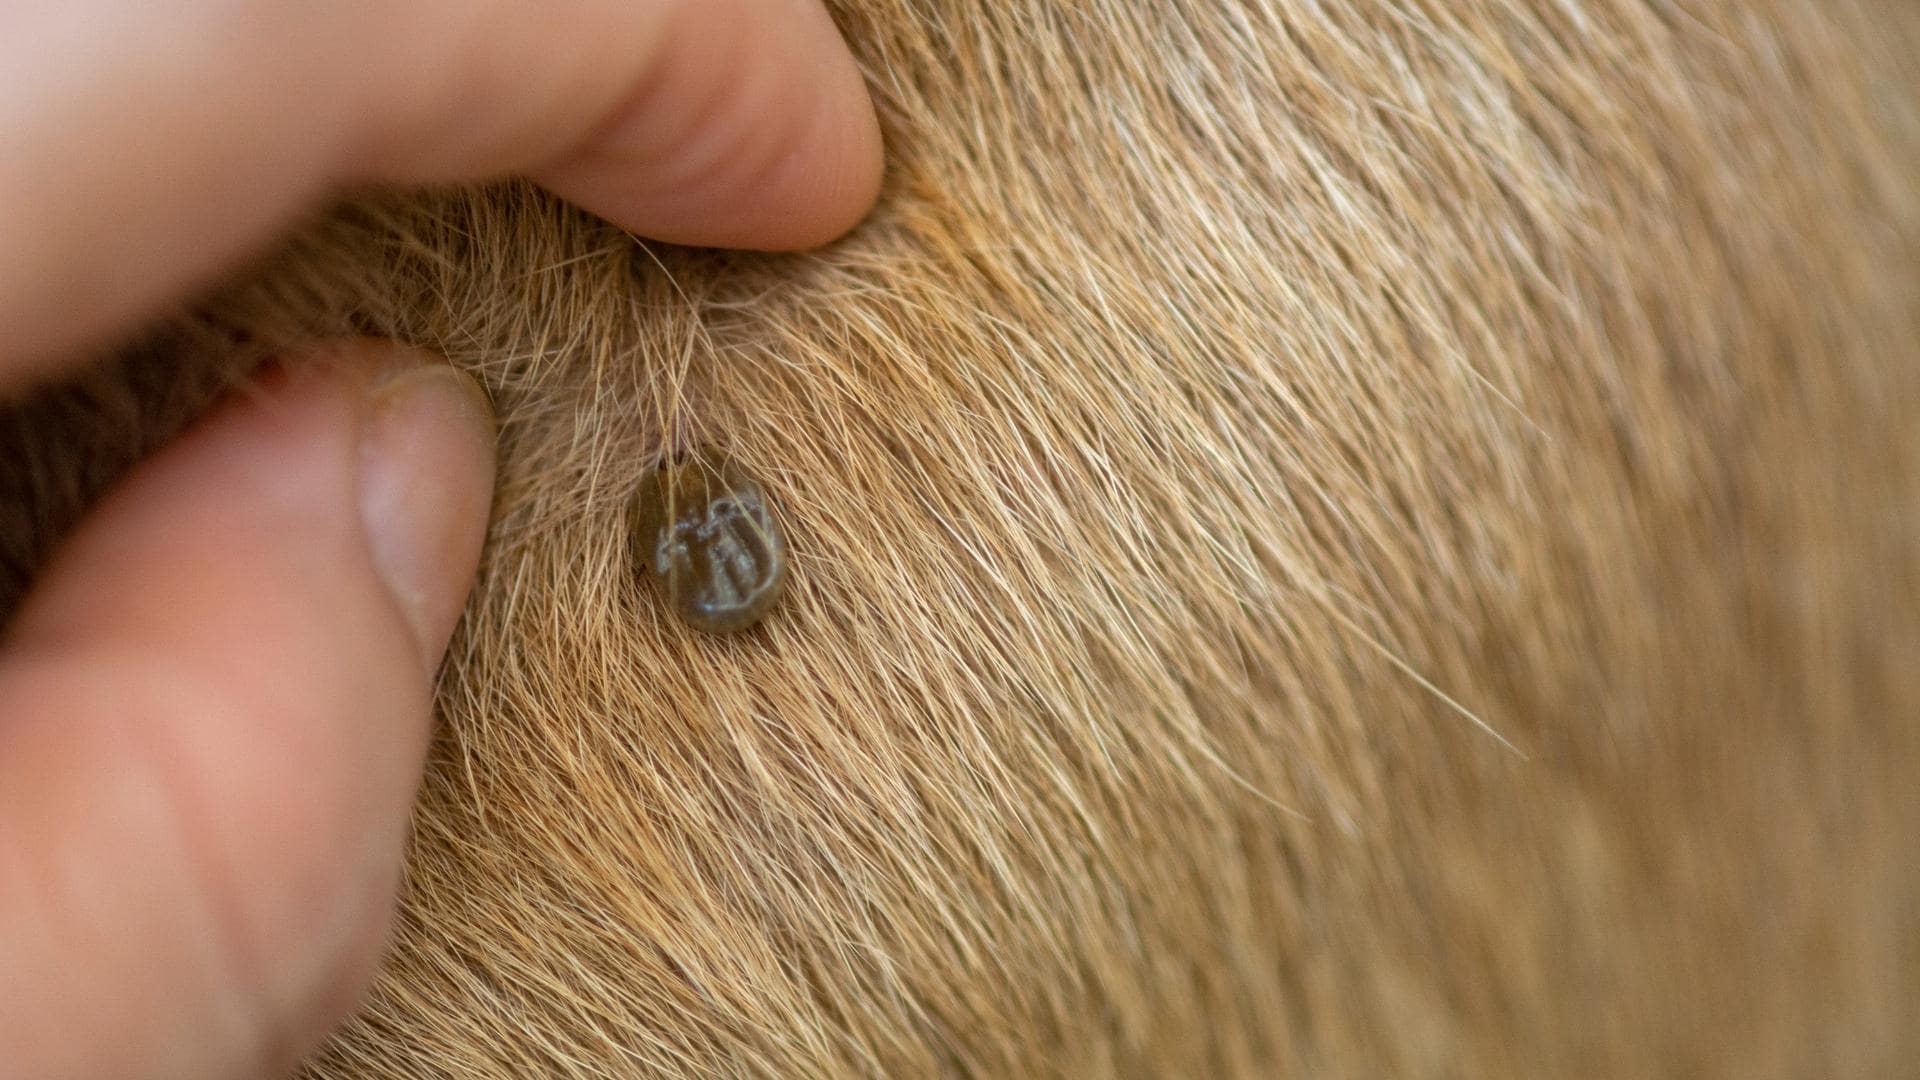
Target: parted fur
x,y
1327,538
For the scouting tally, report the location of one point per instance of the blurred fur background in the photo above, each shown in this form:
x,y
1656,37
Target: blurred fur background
x,y
1329,538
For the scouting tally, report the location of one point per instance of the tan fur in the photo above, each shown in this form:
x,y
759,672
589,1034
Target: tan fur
x,y
1329,539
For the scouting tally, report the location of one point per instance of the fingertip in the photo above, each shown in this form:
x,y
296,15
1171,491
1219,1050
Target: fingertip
x,y
426,482
222,687
744,132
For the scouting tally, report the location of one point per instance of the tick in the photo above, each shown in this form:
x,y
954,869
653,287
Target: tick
x,y
706,532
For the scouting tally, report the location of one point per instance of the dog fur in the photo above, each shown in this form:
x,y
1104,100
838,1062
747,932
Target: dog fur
x,y
1327,539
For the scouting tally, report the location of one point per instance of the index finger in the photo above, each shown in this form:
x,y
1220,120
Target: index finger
x,y
145,145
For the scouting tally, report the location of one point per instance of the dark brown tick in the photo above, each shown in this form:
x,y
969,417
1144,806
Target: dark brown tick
x,y
706,533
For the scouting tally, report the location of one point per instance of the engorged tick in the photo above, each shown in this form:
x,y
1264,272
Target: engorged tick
x,y
705,531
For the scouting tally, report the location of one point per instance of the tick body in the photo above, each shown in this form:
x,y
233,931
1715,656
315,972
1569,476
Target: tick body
x,y
706,532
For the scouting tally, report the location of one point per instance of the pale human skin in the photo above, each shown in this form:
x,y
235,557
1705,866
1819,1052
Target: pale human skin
x,y
215,704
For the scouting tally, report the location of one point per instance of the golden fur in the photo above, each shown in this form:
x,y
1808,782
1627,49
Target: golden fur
x,y
1327,539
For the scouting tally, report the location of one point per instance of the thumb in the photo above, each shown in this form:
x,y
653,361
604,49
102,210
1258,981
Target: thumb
x,y
213,714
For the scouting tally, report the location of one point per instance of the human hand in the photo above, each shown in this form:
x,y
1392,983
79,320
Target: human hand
x,y
215,704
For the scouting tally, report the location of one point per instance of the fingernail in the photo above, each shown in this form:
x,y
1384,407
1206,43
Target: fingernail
x,y
426,481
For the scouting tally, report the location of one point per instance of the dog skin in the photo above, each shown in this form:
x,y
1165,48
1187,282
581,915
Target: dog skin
x,y
1322,539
